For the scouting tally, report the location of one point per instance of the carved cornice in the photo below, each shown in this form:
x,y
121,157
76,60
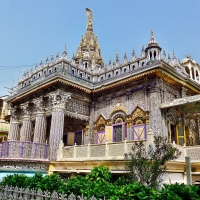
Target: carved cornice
x,y
181,101
160,69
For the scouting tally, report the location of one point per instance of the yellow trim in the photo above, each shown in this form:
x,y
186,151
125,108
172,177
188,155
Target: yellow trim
x,y
184,135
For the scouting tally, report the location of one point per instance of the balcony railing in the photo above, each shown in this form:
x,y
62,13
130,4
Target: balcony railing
x,y
24,150
108,151
192,151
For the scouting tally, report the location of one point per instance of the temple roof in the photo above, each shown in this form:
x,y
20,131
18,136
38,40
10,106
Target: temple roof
x,y
88,49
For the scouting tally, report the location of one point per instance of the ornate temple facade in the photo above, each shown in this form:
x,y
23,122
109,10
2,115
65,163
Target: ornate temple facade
x,y
69,115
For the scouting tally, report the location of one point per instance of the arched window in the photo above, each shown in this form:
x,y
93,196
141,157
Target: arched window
x,y
125,70
108,75
118,128
85,65
150,55
187,70
142,63
102,78
197,75
154,54
192,73
138,124
116,73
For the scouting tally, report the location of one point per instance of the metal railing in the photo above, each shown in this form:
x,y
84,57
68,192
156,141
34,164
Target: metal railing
x,y
15,193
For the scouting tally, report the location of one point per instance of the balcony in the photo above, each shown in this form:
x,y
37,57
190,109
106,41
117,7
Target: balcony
x,y
192,151
107,151
23,150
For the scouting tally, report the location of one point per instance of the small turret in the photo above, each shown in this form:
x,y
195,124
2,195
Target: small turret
x,y
52,59
125,57
47,60
134,57
57,56
153,50
117,57
142,52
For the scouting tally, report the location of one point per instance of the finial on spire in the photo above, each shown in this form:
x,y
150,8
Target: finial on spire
x,y
57,56
125,56
41,63
152,34
164,52
89,17
117,57
47,60
65,51
110,61
133,52
169,58
174,56
52,59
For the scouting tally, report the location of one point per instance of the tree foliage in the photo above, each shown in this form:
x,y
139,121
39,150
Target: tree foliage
x,y
148,166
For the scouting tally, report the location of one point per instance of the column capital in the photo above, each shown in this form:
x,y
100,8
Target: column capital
x,y
40,105
59,98
15,112
26,110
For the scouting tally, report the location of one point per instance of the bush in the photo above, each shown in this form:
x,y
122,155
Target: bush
x,y
148,167
98,183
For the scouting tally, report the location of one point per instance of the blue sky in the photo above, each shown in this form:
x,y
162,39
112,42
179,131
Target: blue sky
x,y
32,30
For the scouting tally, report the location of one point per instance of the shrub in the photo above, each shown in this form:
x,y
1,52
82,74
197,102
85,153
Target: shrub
x,y
148,167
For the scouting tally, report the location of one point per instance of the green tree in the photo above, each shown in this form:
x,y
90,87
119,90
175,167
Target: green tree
x,y
148,166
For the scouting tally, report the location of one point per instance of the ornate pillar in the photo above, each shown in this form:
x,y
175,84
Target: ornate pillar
x,y
155,117
40,123
26,125
129,127
57,122
198,128
14,124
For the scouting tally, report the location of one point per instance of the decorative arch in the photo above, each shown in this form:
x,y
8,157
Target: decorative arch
x,y
138,116
118,118
118,108
100,124
99,129
172,116
139,119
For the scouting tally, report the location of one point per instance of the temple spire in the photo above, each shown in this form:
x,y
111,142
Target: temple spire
x,y
88,50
